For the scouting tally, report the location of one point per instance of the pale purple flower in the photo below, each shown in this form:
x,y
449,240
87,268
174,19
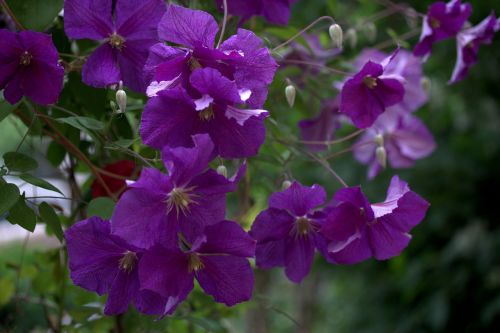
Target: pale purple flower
x,y
287,233
217,259
323,127
171,118
105,264
241,58
358,230
275,11
405,139
126,30
29,66
468,43
443,20
370,92
158,206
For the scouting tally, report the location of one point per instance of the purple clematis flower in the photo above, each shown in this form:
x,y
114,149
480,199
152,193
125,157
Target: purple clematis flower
x,y
173,117
358,231
323,127
105,264
287,233
29,67
126,29
217,259
404,137
275,11
370,92
443,20
409,68
241,58
468,43
157,207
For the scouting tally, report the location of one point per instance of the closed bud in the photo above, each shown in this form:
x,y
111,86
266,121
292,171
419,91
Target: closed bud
x,y
381,156
222,170
379,140
426,84
370,30
121,100
337,35
351,36
290,93
286,184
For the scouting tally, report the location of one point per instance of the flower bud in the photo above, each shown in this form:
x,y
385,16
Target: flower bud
x,y
379,140
290,93
222,170
286,184
370,30
337,35
381,156
121,100
352,37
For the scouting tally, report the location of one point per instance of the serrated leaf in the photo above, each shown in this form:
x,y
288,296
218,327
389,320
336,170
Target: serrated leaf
x,y
39,182
36,14
9,194
19,162
50,217
22,215
83,123
102,207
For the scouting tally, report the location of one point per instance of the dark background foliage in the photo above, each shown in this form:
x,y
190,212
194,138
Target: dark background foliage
x,y
448,280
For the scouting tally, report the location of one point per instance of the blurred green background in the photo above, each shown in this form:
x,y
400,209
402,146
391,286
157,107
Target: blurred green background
x,y
448,280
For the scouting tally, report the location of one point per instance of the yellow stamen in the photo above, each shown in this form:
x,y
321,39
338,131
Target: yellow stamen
x,y
128,261
25,58
370,81
116,41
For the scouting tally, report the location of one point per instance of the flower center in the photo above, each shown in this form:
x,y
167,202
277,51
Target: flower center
x,y
370,81
207,114
194,64
180,199
434,23
116,41
303,226
194,263
128,261
25,58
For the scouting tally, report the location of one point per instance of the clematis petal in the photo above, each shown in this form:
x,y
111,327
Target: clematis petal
x,y
188,27
269,254
228,279
138,19
298,199
123,291
272,224
228,237
355,196
101,68
210,82
90,19
242,115
299,256
386,240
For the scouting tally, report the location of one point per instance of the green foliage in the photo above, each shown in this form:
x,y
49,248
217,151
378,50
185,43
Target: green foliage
x,y
50,217
19,162
39,182
36,14
102,207
9,195
22,215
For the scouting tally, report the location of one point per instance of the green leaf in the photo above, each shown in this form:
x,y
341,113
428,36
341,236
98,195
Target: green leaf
x,y
39,182
55,153
7,289
22,215
9,194
35,14
51,219
83,123
124,143
5,107
19,162
102,207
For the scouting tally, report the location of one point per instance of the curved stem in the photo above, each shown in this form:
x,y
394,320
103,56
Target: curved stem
x,y
333,142
224,23
307,63
9,12
297,35
327,166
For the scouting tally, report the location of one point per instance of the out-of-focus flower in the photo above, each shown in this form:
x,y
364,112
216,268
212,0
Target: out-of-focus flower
x,y
323,127
29,67
275,11
117,186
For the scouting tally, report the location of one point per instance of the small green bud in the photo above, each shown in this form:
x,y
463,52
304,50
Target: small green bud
x,y
222,170
290,93
381,154
337,35
286,184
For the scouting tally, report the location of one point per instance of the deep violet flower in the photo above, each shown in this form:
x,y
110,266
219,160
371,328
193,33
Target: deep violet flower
x,y
217,259
323,127
287,233
358,230
158,206
29,67
124,168
370,92
404,137
275,11
443,20
468,43
173,117
241,58
106,264
408,67
126,30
